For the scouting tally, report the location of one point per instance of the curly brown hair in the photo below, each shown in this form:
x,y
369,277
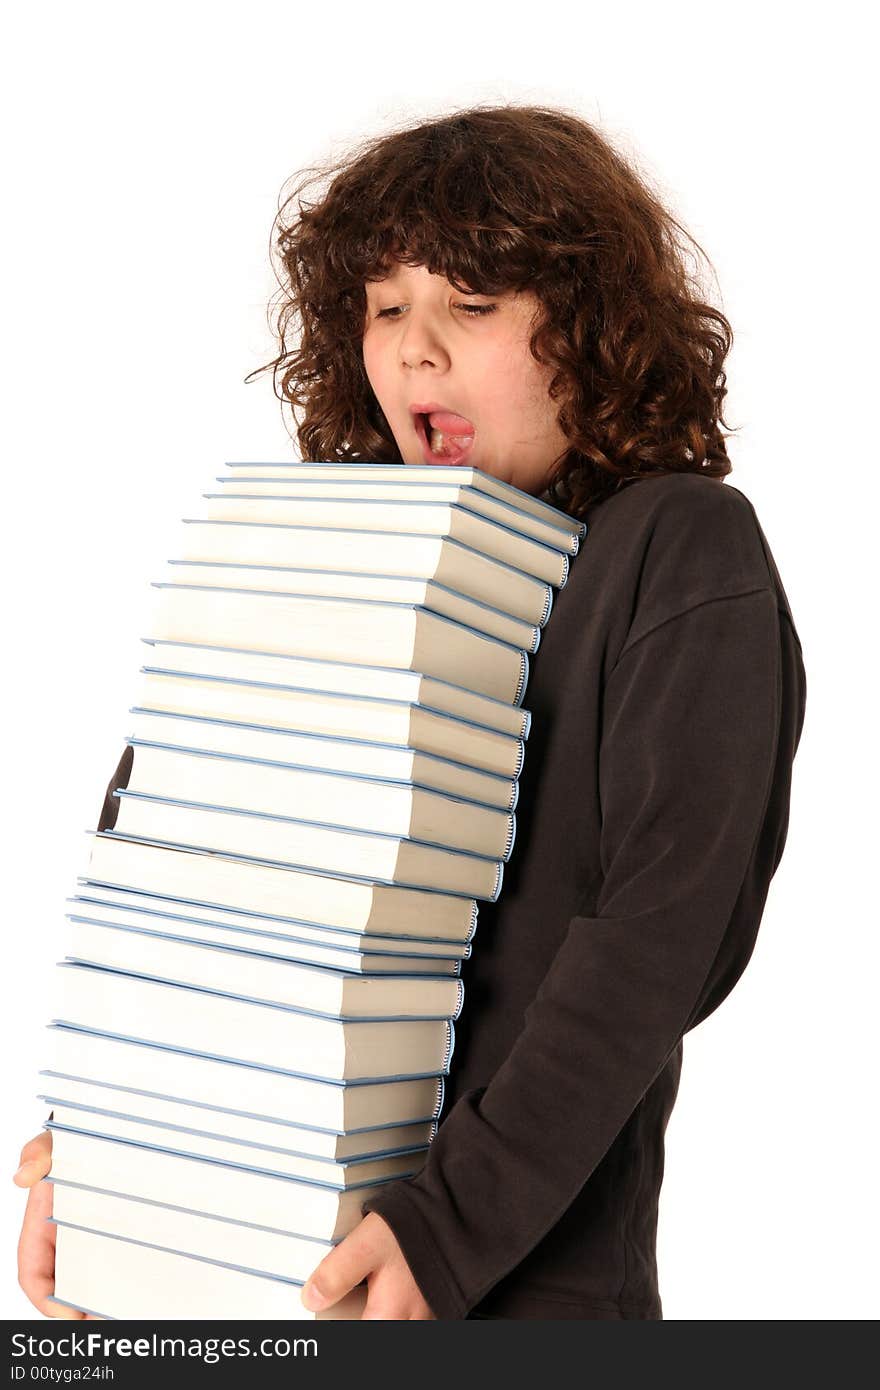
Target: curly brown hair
x,y
497,198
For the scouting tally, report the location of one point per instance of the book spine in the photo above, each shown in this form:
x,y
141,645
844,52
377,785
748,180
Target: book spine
x,y
441,1095
460,1003
450,1046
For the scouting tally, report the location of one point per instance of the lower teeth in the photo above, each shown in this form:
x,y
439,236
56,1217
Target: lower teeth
x,y
437,442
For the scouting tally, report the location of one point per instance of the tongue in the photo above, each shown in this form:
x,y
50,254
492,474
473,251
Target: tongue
x,y
450,424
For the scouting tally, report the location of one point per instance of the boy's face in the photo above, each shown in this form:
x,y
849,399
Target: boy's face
x,y
428,347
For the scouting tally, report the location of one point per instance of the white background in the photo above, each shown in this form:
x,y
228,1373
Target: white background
x,y
148,147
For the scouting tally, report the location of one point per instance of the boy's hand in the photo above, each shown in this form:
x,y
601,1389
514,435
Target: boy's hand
x,y
369,1252
36,1246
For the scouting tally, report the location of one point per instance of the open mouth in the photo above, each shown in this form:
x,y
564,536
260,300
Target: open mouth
x,y
443,445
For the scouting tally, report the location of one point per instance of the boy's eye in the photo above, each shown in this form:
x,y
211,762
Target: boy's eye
x,y
471,310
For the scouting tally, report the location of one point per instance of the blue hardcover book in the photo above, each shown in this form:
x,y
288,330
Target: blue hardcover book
x,y
111,1277
553,532
455,474
365,552
293,843
214,1237
406,636
331,796
234,1127
260,576
386,684
332,1106
362,758
268,931
169,1225
257,975
220,694
243,1029
206,880
499,541
313,945
185,1141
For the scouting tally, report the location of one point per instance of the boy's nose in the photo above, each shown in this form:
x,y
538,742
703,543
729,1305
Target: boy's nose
x,y
421,344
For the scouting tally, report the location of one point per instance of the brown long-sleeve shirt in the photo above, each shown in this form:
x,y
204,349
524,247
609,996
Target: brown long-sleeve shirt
x,y
668,699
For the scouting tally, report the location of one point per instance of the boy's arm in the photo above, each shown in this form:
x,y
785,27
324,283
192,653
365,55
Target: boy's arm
x,y
704,714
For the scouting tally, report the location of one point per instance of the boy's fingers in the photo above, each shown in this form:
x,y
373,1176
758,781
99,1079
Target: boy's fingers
x,y
36,1254
338,1272
41,1143
35,1161
31,1172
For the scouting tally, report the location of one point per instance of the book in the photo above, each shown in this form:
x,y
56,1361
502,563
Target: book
x,y
270,1093
317,752
212,880
549,563
331,715
79,1094
301,1206
109,1277
361,682
330,795
233,970
436,558
422,473
249,1030
411,491
360,630
327,583
188,1142
265,1248
386,956
302,844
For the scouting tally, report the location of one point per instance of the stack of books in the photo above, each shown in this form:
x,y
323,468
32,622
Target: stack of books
x,y
256,1013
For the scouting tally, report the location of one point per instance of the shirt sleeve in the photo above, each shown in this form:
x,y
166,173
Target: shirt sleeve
x,y
120,778
690,744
